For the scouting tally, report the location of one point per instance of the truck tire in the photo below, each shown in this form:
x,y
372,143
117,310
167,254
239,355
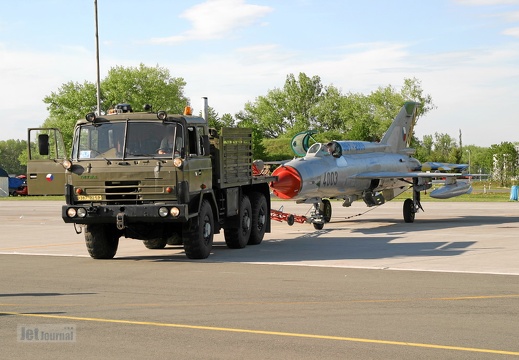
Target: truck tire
x,y
259,218
198,235
101,241
238,237
159,243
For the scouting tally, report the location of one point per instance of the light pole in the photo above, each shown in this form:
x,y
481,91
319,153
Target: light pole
x,y
98,81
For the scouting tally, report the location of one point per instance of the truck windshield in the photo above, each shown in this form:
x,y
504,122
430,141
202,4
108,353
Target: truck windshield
x,y
131,139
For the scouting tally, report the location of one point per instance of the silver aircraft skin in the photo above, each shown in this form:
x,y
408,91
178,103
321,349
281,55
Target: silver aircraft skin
x,y
375,172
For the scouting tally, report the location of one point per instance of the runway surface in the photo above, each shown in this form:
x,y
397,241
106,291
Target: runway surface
x,y
301,294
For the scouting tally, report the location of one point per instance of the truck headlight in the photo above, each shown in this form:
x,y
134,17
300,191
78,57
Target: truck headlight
x,y
67,164
81,212
163,211
177,162
71,212
175,211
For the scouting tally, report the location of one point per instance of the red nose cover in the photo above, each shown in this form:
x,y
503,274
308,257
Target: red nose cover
x,y
288,184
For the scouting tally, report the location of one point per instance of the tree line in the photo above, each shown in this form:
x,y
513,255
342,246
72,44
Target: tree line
x,y
303,103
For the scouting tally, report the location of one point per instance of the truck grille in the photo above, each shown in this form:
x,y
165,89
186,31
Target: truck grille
x,y
122,191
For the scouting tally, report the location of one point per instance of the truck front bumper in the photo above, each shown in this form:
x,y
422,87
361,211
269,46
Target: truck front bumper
x,y
106,214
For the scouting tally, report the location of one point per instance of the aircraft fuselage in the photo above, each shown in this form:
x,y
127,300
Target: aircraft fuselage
x,y
322,175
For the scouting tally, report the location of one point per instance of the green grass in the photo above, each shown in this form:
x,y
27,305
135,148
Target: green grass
x,y
474,197
33,198
480,193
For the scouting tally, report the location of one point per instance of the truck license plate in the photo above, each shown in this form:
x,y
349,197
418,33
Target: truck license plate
x,y
89,197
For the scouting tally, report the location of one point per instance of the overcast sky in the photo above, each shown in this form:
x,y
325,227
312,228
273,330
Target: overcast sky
x,y
465,53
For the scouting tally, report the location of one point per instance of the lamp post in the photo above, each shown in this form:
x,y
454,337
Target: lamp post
x,y
98,81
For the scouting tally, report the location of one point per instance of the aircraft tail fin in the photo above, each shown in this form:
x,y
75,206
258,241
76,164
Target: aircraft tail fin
x,y
398,136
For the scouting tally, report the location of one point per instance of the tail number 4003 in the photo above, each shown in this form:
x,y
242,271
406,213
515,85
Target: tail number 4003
x,y
330,178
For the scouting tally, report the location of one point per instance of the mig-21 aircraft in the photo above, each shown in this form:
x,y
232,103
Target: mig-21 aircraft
x,y
375,172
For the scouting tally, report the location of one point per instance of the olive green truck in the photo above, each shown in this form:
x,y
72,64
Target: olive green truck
x,y
160,178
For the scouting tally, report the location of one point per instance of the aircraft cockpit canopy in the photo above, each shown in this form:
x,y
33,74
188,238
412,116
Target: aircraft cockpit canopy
x,y
332,148
317,149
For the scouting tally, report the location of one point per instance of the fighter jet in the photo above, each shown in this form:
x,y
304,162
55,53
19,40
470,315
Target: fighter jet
x,y
375,172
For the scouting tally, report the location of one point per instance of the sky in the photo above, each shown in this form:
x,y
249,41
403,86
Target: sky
x,y
465,53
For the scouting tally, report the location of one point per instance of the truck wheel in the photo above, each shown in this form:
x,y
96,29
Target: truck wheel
x,y
198,236
259,218
237,238
159,243
101,241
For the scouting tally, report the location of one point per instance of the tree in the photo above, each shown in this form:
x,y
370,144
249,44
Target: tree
x,y
445,148
301,96
504,162
424,148
304,103
285,111
10,150
245,120
360,121
143,85
480,159
328,111
135,85
214,120
72,102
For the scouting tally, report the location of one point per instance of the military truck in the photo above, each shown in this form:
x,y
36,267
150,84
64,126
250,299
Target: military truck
x,y
160,178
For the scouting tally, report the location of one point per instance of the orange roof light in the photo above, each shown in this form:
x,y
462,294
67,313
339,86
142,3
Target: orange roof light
x,y
188,110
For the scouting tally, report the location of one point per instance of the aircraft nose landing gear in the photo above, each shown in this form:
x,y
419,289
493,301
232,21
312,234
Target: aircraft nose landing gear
x,y
321,214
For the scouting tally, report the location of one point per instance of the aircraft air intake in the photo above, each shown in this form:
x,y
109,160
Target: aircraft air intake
x,y
288,184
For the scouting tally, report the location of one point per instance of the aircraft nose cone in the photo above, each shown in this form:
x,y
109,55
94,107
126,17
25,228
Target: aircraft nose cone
x,y
288,184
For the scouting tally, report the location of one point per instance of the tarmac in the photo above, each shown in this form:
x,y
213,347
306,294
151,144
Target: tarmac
x,y
367,286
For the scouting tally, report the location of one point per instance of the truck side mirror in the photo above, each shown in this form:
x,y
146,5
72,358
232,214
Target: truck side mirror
x,y
43,144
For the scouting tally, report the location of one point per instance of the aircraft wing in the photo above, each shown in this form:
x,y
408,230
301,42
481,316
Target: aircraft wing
x,y
433,166
451,186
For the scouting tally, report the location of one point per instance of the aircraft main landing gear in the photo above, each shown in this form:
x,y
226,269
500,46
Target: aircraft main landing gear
x,y
411,206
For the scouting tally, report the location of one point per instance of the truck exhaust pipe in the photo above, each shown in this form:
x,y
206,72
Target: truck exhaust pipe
x,y
205,109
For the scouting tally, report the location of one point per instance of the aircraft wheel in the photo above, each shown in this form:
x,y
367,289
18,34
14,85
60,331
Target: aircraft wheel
x,y
318,226
409,211
101,241
198,233
290,220
159,243
259,218
238,237
326,210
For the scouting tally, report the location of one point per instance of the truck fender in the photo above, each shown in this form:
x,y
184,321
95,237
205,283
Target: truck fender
x,y
209,196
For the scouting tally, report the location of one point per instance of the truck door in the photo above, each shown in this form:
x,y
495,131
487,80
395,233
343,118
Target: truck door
x,y
46,152
198,169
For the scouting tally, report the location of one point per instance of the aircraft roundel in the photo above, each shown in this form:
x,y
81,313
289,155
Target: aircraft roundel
x,y
49,177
